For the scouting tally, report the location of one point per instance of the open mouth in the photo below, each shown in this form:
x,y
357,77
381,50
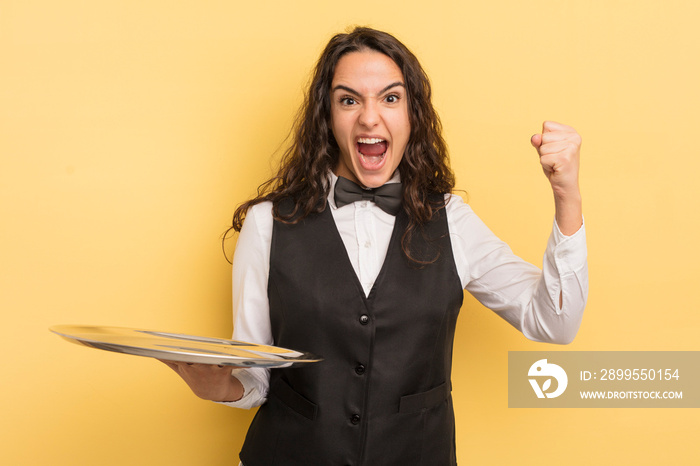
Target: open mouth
x,y
372,152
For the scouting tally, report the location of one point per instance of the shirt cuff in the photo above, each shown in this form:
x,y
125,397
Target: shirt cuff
x,y
250,392
567,253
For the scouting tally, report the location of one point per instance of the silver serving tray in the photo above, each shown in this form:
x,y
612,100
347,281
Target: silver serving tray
x,y
180,347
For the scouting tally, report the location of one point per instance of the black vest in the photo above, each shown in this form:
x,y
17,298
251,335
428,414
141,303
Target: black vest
x,y
381,396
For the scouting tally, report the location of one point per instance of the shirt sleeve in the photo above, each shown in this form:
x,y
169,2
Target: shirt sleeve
x,y
251,309
522,294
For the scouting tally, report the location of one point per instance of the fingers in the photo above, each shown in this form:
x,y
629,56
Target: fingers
x,y
170,364
559,136
183,368
557,147
551,126
552,132
179,366
555,138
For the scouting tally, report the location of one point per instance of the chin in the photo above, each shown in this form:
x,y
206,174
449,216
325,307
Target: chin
x,y
373,180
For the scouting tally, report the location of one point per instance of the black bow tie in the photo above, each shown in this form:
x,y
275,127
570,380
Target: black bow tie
x,y
387,197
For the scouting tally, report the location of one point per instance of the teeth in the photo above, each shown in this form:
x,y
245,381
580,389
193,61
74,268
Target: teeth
x,y
369,140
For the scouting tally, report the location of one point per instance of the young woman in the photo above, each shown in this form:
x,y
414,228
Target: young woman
x,y
358,252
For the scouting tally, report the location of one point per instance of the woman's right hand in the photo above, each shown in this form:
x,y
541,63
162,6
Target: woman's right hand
x,y
208,381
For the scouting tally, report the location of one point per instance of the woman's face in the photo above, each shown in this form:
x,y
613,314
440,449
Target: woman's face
x,y
369,117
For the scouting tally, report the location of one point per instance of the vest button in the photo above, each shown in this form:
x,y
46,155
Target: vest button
x,y
355,419
360,369
364,319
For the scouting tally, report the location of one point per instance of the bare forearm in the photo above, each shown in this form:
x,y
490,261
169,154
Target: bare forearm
x,y
568,212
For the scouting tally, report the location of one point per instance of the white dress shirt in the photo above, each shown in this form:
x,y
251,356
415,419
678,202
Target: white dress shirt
x,y
516,290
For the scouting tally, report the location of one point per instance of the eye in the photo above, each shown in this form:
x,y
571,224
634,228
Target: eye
x,y
392,98
347,100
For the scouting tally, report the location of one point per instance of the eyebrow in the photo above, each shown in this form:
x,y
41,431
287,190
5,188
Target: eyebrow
x,y
353,91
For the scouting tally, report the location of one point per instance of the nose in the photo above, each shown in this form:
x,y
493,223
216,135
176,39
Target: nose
x,y
369,116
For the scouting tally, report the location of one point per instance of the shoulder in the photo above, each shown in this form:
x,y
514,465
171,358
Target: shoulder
x,y
457,208
260,210
259,218
464,224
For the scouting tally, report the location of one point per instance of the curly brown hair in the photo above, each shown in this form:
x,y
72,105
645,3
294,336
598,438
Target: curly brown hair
x,y
313,152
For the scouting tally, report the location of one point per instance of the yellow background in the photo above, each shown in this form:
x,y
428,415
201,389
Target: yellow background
x,y
130,130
